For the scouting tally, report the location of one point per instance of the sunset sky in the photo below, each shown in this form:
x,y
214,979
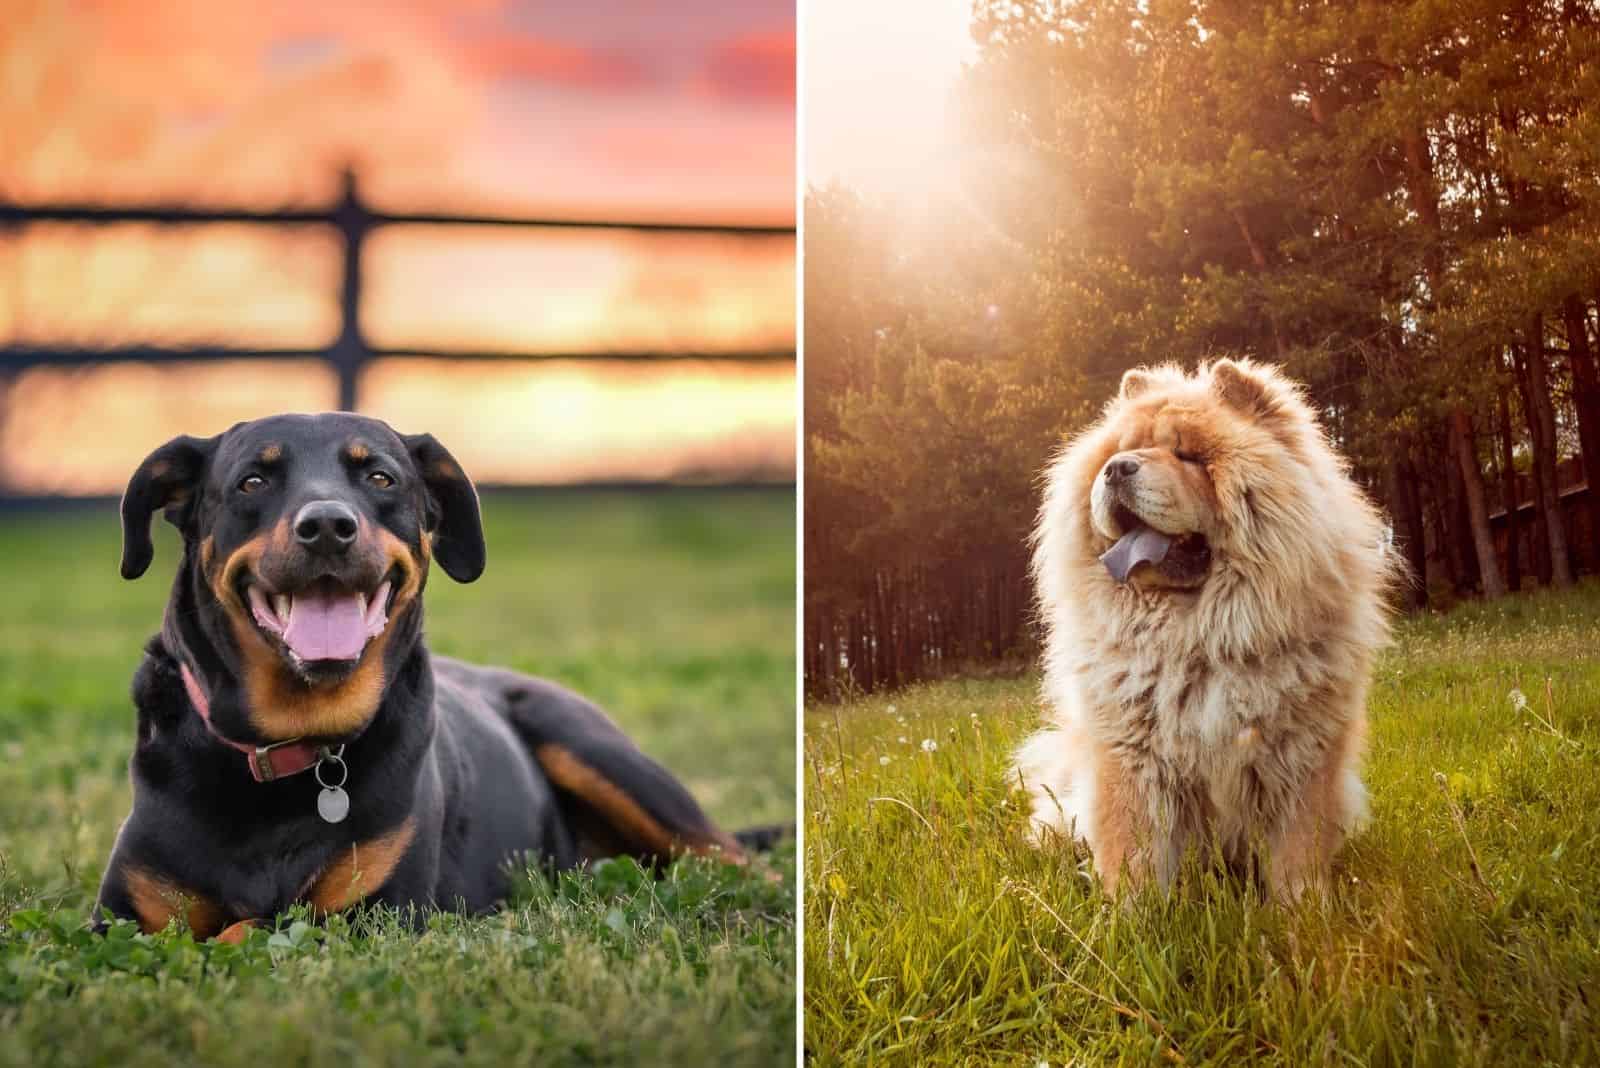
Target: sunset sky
x,y
630,107
609,108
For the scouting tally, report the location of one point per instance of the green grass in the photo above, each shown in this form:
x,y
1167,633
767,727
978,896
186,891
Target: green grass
x,y
675,611
935,935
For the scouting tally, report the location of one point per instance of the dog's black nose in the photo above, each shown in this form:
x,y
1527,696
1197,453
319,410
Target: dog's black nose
x,y
326,527
1122,470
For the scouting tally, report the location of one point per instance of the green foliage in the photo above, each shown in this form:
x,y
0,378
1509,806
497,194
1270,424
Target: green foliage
x,y
675,611
935,935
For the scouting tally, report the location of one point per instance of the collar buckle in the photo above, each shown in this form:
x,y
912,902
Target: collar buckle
x,y
261,760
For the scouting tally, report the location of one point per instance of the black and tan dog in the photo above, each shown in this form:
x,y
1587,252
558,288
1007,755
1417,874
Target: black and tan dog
x,y
297,742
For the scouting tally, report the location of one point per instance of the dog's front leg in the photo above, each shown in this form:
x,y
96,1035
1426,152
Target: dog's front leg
x,y
1310,830
1137,832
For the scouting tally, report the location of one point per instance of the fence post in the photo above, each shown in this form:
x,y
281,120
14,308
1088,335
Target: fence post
x,y
12,219
350,351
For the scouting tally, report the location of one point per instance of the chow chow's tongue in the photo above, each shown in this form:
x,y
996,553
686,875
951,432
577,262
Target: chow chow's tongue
x,y
1146,545
325,626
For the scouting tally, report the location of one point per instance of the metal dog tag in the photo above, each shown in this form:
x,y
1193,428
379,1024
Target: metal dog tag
x,y
333,804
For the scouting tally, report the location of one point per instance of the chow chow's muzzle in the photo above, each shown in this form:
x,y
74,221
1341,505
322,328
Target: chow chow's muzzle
x,y
1141,505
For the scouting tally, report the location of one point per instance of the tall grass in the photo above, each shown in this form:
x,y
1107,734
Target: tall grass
x,y
1464,926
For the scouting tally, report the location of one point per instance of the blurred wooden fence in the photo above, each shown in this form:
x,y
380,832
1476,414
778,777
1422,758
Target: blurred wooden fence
x,y
354,220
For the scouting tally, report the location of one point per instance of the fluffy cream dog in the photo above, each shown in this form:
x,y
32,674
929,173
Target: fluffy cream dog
x,y
1211,585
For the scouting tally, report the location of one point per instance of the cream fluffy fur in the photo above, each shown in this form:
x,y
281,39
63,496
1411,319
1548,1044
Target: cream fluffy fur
x,y
1228,711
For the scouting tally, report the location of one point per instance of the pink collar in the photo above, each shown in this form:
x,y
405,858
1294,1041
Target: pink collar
x,y
267,762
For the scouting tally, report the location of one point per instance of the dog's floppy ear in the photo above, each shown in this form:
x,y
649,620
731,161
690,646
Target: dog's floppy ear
x,y
452,509
1244,388
167,480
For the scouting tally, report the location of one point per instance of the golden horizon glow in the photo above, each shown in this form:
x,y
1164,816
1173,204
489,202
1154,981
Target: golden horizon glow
x,y
457,287
566,421
81,432
578,292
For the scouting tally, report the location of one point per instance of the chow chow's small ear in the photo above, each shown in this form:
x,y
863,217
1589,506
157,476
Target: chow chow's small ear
x,y
166,480
1135,381
1242,389
453,515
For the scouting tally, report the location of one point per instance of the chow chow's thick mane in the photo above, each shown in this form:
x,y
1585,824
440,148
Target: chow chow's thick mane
x,y
1298,555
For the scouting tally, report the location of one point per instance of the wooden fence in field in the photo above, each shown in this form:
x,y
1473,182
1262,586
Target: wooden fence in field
x,y
354,220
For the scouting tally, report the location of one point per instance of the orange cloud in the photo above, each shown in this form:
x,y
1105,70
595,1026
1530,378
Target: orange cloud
x,y
543,60
753,66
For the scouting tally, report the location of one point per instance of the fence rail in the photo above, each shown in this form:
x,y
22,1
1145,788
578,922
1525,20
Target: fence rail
x,y
21,357
354,220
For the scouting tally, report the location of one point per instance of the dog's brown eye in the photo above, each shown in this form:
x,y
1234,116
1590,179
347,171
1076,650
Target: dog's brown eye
x,y
381,479
1189,457
251,483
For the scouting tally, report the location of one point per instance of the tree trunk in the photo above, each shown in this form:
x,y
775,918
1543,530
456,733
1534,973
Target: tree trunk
x,y
1586,398
1543,414
1405,506
1425,198
1508,493
1477,511
1539,543
1418,556
1424,194
1443,479
1258,257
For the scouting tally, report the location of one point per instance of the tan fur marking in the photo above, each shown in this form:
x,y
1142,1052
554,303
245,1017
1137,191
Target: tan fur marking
x,y
271,454
159,469
445,469
235,933
282,536
224,582
567,771
281,706
157,901
357,452
360,870
246,555
398,554
570,773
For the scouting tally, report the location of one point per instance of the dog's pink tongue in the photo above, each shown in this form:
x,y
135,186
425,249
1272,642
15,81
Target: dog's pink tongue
x,y
325,626
1145,545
